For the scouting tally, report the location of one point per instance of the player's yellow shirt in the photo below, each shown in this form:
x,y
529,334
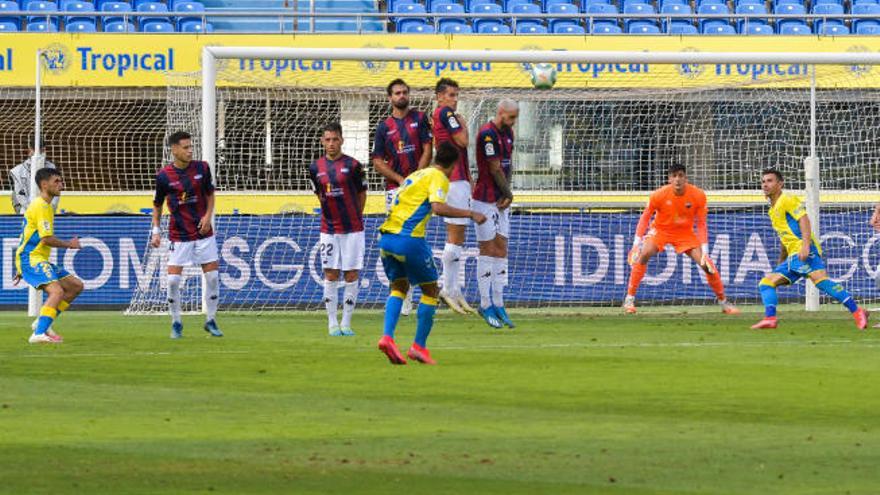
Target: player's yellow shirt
x,y
39,222
784,216
411,208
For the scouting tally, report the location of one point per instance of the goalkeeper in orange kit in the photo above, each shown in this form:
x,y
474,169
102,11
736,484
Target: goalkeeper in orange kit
x,y
678,206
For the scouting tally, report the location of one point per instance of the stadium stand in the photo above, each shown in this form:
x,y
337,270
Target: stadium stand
x,y
676,17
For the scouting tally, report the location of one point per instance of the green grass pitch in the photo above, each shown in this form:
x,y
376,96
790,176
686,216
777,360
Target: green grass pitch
x,y
692,403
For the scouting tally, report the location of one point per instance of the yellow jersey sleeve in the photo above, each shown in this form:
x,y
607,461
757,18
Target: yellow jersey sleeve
x,y
793,206
438,188
44,220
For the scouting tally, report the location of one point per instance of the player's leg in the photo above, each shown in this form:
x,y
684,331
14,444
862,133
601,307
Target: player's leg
x,y
486,233
781,275
353,247
650,247
501,267
206,256
825,284
392,255
72,288
713,278
406,307
422,271
48,313
456,233
331,261
180,254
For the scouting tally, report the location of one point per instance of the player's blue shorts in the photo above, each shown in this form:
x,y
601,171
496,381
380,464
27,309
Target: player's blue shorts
x,y
410,257
42,274
793,268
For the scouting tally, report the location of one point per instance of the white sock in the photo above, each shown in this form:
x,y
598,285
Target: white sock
x,y
485,269
499,280
331,301
212,284
349,300
451,256
409,294
174,297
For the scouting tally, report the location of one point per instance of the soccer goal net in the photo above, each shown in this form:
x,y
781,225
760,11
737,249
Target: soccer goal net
x,y
588,152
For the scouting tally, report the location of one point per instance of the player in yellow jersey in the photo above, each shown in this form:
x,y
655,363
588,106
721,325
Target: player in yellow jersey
x,y
32,257
800,256
406,255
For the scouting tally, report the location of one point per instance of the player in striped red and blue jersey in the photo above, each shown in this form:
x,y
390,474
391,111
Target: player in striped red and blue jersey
x,y
341,187
402,145
187,186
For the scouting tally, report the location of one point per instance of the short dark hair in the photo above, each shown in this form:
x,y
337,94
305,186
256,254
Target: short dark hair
x,y
443,84
177,137
771,170
45,174
332,127
447,154
676,168
396,82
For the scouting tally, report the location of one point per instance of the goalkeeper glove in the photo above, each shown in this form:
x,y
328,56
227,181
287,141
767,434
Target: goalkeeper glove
x,y
636,252
706,261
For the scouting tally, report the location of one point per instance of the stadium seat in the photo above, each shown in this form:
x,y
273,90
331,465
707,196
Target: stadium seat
x,y
471,4
664,3
117,9
42,7
184,8
789,9
864,2
546,4
138,3
642,27
509,4
865,9
793,27
486,9
868,27
530,28
563,9
568,29
430,4
195,26
492,26
42,27
716,27
831,27
8,27
681,27
153,8
8,19
746,2
119,27
674,9
756,28
601,8
404,24
606,27
527,8
76,6
154,26
828,9
417,27
638,8
449,26
447,8
711,9
827,2
750,9
81,26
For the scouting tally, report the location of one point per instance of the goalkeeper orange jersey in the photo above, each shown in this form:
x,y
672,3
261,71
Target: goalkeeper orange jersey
x,y
676,215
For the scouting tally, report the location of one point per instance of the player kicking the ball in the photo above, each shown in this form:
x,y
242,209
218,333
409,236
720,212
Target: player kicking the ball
x,y
32,258
189,190
678,206
406,255
800,256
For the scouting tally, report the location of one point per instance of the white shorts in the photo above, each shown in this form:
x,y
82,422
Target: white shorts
x,y
497,221
198,252
459,197
342,251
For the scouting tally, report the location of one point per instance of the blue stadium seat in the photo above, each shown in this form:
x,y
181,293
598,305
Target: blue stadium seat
x,y
119,27
9,6
80,27
778,3
868,27
509,4
487,9
864,2
86,8
138,3
116,8
865,9
598,7
824,2
789,9
471,4
756,29
793,27
572,29
409,8
154,26
430,3
527,8
681,27
418,28
828,9
185,8
711,9
41,27
642,27
564,9
195,26
491,26
831,27
746,2
530,28
450,27
546,4
153,8
750,9
664,3
404,24
707,2
8,27
606,27
447,8
676,9
638,8
42,7
716,27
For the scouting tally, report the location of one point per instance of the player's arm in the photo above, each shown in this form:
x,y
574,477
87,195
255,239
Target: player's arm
x,y
361,186
55,242
378,157
456,126
806,237
427,139
444,210
208,190
45,229
158,200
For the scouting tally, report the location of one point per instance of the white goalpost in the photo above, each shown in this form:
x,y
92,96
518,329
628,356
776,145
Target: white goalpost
x,y
587,155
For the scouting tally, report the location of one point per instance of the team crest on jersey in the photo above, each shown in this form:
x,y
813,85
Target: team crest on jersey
x,y
344,170
329,188
414,124
440,193
687,205
490,150
46,225
400,146
198,176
